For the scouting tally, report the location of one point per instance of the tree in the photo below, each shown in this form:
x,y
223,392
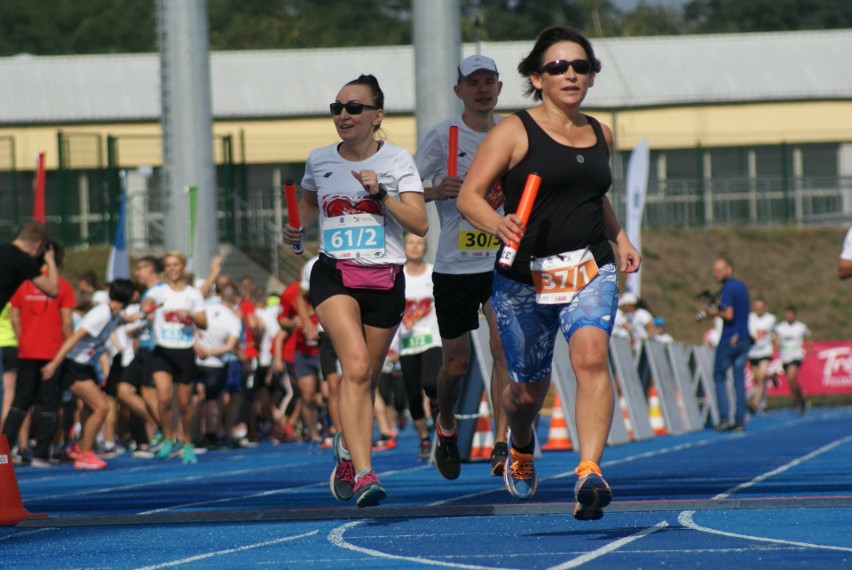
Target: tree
x,y
709,16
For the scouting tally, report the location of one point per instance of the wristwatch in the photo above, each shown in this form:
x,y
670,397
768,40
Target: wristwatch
x,y
380,195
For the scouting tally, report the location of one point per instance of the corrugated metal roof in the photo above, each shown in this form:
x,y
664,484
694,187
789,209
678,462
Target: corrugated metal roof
x,y
637,72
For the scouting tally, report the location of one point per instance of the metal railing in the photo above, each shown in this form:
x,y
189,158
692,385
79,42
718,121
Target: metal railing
x,y
766,201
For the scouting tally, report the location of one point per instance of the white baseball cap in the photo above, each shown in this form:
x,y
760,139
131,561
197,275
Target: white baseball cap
x,y
628,298
475,63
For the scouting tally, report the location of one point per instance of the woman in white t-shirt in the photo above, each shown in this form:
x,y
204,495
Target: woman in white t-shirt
x,y
420,354
793,341
178,311
760,327
364,192
79,354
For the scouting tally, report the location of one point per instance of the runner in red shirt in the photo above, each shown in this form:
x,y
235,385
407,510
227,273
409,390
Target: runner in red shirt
x,y
42,324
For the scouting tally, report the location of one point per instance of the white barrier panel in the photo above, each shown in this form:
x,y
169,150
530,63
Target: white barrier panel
x,y
683,382
653,358
703,385
627,379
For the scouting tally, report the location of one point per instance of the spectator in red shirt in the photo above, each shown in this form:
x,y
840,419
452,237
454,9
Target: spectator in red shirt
x,y
302,357
42,324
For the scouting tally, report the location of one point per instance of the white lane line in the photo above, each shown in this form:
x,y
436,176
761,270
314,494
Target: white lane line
x,y
685,518
158,482
611,547
783,468
335,537
24,533
268,493
229,551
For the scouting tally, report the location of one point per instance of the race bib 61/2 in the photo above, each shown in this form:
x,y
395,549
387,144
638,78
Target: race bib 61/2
x,y
354,235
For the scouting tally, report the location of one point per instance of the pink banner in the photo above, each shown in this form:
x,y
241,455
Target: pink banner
x,y
826,370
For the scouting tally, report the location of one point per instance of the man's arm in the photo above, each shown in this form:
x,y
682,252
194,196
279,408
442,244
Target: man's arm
x,y
844,269
49,283
67,321
15,319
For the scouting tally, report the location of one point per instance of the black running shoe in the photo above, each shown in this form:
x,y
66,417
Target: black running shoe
x,y
447,460
499,455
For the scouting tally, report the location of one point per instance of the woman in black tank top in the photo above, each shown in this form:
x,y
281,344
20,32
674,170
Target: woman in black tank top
x,y
571,215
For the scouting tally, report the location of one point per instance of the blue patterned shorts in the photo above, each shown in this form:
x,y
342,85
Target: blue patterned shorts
x,y
528,329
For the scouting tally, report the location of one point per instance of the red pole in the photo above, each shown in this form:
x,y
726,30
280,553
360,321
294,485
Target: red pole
x,y
38,200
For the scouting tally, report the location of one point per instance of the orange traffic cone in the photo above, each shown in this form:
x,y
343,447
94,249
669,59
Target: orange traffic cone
x,y
483,437
628,425
655,413
558,438
12,510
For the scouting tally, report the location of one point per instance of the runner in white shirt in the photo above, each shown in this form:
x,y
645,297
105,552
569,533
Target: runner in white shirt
x,y
464,261
364,192
267,380
760,327
638,321
844,266
793,340
220,338
179,311
420,355
79,354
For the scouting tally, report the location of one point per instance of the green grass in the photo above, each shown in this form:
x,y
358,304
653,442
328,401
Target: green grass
x,y
785,265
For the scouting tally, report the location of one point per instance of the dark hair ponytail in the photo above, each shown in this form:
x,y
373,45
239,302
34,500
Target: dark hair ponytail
x,y
370,82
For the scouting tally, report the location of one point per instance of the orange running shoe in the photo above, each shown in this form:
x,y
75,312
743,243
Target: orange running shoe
x,y
592,492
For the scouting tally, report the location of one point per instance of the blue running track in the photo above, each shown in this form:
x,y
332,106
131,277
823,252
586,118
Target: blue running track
x,y
778,495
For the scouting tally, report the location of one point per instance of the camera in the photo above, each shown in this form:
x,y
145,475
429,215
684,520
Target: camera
x,y
711,301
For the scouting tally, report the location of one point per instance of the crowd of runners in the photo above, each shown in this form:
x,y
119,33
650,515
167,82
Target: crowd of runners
x,y
172,365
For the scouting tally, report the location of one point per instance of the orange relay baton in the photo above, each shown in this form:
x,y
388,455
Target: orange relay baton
x,y
293,212
510,250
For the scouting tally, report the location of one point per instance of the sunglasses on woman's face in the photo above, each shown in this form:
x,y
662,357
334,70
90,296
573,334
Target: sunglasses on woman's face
x,y
560,66
351,108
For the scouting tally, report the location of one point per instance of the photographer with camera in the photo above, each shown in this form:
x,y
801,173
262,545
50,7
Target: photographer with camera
x,y
734,344
21,260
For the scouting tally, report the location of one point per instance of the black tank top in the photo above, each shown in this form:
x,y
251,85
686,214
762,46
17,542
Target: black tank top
x,y
568,211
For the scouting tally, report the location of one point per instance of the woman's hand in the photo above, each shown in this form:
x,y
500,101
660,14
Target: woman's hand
x,y
291,235
510,229
368,179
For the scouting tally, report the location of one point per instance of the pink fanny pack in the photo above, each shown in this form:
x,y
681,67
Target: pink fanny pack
x,y
358,276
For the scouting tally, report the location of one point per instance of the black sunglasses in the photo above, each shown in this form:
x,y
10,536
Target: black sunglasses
x,y
560,66
351,108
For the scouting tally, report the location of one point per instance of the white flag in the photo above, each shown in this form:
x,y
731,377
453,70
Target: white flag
x,y
637,186
119,257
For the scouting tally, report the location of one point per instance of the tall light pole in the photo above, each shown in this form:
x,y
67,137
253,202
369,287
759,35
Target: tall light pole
x,y
437,52
187,123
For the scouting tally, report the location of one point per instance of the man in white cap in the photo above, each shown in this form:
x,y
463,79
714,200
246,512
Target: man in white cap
x,y
464,261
